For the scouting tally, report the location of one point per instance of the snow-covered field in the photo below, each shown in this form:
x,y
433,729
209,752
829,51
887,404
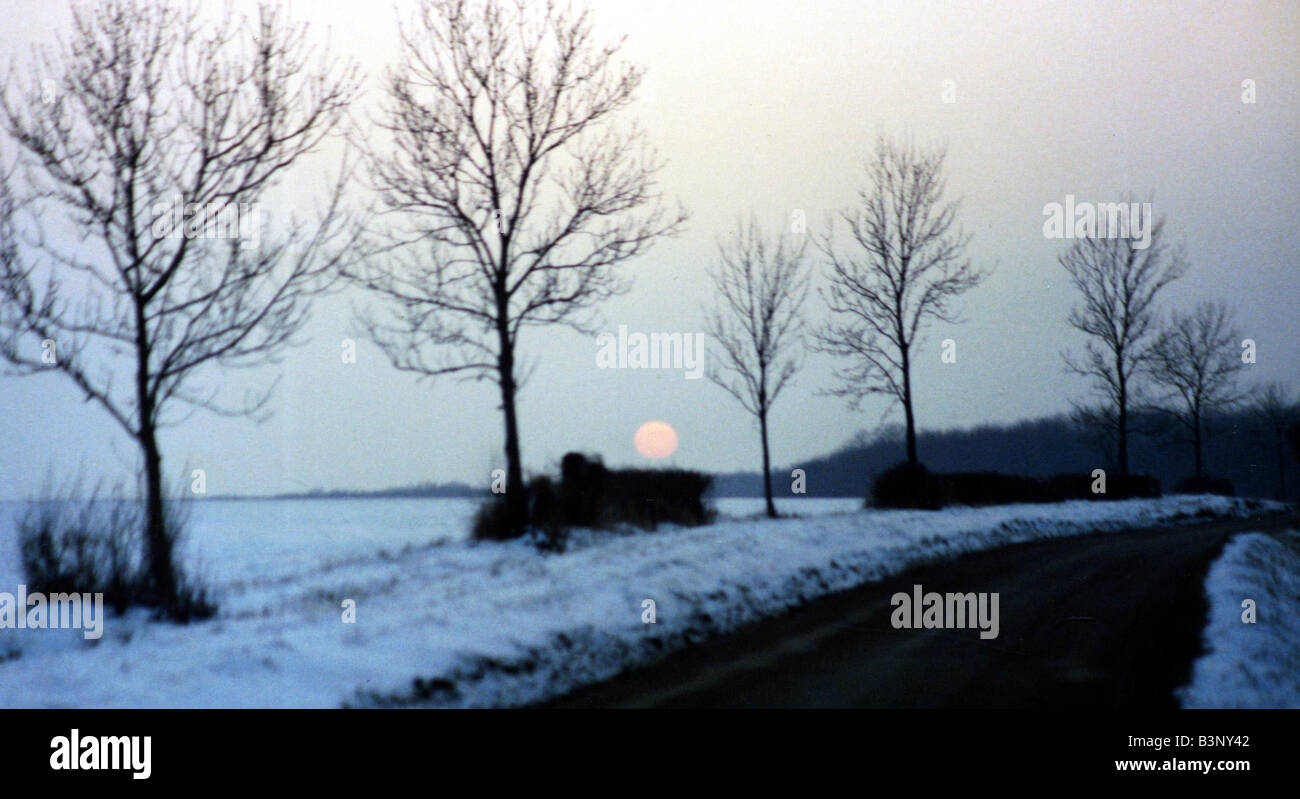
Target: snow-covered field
x,y
1251,665
443,621
255,541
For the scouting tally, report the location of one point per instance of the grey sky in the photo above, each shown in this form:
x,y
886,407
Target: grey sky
x,y
772,107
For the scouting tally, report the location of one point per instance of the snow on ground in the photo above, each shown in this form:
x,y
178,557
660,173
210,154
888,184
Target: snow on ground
x,y
452,623
1251,665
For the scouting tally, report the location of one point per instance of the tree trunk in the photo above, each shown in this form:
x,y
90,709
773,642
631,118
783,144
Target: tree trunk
x,y
162,571
1123,428
516,499
1196,443
767,465
907,410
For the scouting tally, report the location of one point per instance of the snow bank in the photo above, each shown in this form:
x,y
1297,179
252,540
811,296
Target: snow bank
x,y
1251,665
452,623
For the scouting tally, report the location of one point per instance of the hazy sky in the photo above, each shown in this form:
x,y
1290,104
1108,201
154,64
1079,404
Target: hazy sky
x,y
772,107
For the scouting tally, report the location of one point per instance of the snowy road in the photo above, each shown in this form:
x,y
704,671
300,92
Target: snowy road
x,y
1089,622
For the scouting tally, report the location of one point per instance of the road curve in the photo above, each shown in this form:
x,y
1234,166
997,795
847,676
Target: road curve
x,y
1099,621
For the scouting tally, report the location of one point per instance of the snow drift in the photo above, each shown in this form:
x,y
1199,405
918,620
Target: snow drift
x,y
1251,665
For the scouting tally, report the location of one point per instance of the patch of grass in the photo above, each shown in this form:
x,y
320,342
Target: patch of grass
x,y
93,544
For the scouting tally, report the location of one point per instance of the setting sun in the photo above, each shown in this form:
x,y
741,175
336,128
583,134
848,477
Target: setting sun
x,y
656,440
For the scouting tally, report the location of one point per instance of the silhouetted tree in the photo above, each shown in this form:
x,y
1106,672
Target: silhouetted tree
x,y
1119,282
905,266
511,194
1194,363
761,285
150,112
1276,417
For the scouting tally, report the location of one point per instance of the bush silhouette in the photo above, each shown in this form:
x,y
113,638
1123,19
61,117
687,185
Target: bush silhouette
x,y
92,545
913,486
1205,485
907,485
589,494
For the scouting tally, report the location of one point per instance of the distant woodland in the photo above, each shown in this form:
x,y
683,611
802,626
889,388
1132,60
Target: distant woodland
x,y
1236,447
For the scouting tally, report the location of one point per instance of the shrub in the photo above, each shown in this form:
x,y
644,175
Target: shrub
x,y
546,514
913,486
1062,487
583,485
492,522
1134,486
1205,485
907,485
91,545
993,488
1079,486
649,497
84,546
591,495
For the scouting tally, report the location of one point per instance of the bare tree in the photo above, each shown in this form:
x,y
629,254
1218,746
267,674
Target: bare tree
x,y
757,322
1194,363
510,192
907,266
128,259
1119,279
1275,414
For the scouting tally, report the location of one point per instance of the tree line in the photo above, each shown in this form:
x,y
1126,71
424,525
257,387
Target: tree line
x,y
1244,447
